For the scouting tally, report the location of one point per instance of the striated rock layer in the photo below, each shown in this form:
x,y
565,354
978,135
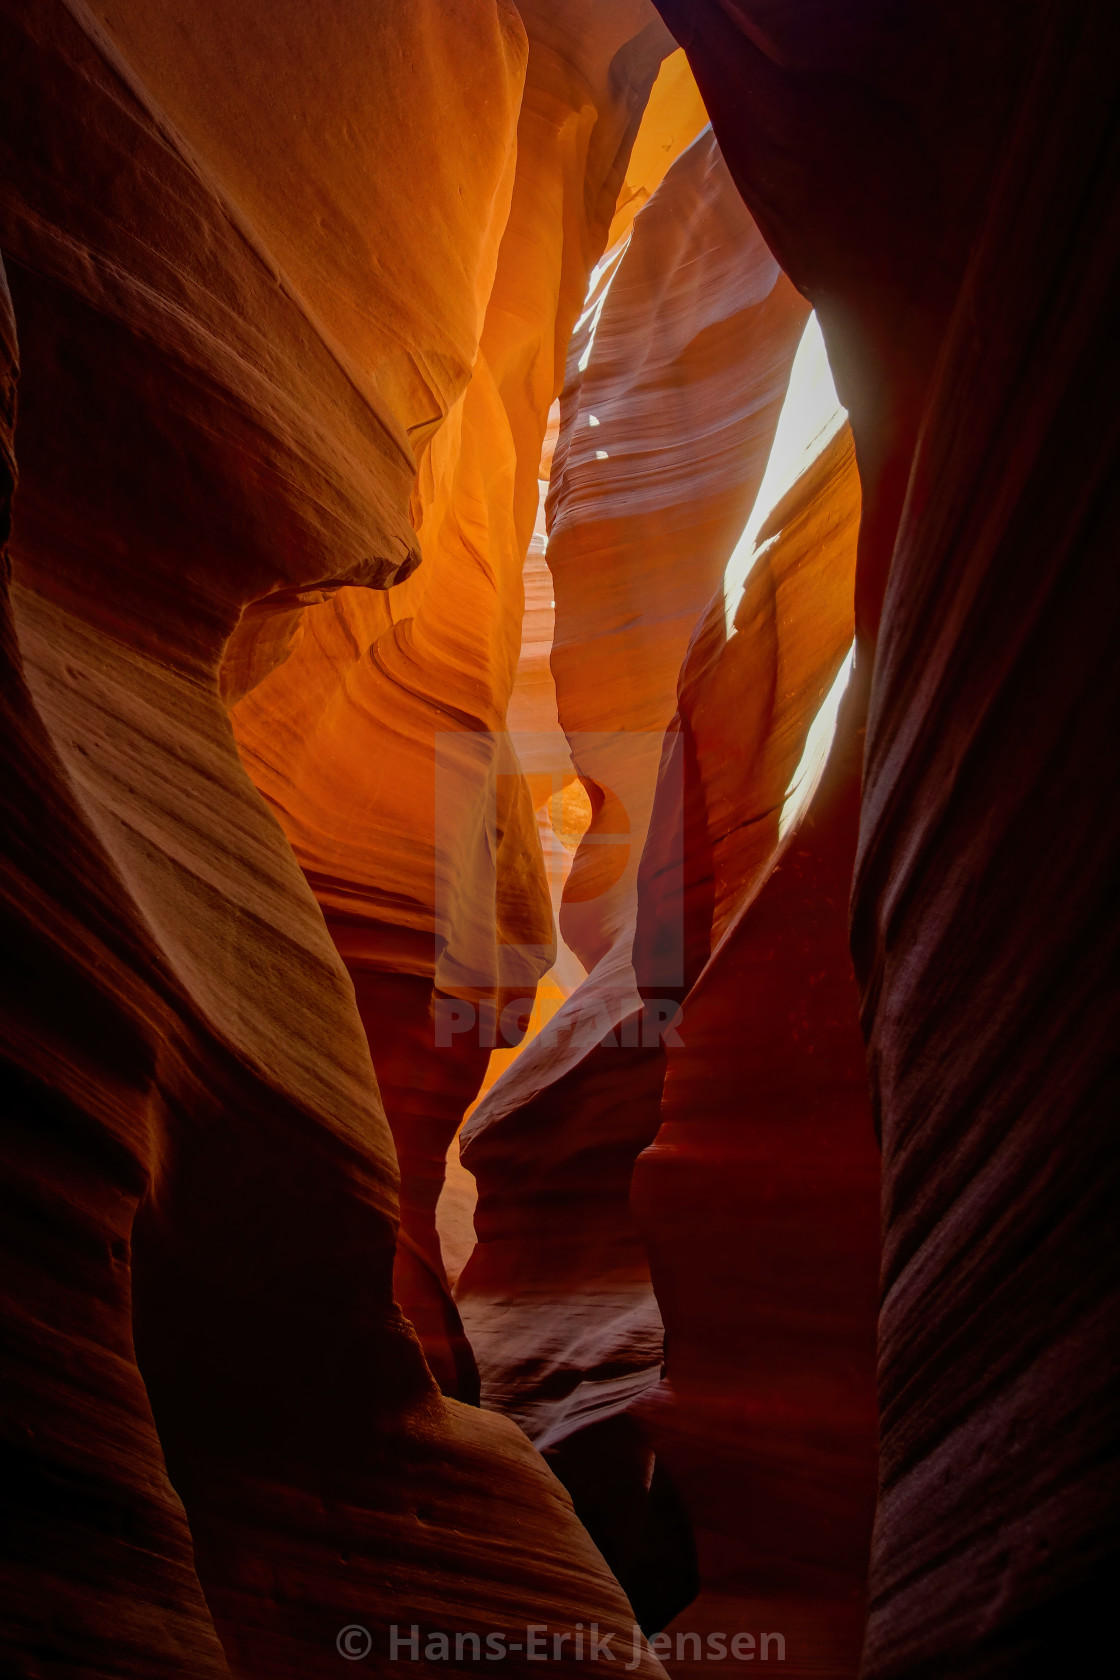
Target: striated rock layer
x,y
697,322
758,1196
98,1571
203,1187
862,137
378,743
946,191
985,929
765,1421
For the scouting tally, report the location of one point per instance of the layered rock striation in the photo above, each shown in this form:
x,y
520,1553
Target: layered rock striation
x,y
215,413
698,319
381,742
963,259
670,437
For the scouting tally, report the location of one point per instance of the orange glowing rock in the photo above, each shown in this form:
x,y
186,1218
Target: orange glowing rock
x,y
649,491
383,696
647,505
220,407
556,1296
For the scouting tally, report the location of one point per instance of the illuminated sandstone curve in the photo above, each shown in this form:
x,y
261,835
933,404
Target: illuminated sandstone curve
x,y
683,384
667,425
758,1197
864,155
377,743
207,1188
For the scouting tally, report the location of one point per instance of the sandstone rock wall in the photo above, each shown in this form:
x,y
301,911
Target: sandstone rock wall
x,y
667,426
758,1197
204,1184
378,742
962,171
697,323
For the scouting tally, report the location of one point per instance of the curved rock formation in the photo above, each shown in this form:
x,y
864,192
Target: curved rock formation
x,y
758,1196
103,1579
767,1424
205,1183
862,137
946,193
389,698
697,327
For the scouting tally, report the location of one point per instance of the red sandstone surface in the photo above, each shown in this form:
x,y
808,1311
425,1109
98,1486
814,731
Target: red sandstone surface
x,y
558,873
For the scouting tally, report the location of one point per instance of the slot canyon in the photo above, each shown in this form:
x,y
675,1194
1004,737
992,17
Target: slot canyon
x,y
561,701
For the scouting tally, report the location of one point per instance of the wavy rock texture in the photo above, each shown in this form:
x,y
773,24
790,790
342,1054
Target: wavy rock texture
x,y
985,929
983,922
204,1184
864,150
103,1580
758,1196
776,1416
699,322
673,116
347,738
663,442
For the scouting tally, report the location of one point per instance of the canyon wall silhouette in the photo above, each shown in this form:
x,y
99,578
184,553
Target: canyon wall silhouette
x,y
943,186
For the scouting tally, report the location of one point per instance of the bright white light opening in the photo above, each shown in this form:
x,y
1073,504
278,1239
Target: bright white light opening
x,y
811,416
598,289
806,779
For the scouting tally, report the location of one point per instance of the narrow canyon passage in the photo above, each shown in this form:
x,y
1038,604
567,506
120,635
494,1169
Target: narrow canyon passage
x,y
558,892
